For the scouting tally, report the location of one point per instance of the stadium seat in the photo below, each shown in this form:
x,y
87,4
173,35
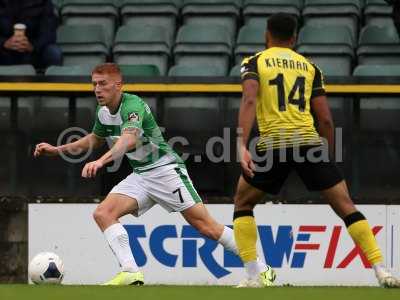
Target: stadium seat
x,y
145,44
128,71
257,22
25,104
380,136
378,45
57,4
16,70
131,71
377,12
340,106
233,103
198,70
333,43
377,70
333,12
87,12
163,13
15,159
52,120
139,70
251,39
14,153
54,110
259,10
82,44
202,122
328,68
203,45
81,70
231,111
235,71
216,12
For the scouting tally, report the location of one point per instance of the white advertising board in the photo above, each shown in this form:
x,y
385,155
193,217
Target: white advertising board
x,y
305,244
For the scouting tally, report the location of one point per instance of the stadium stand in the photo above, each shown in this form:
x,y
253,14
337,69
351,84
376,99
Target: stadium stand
x,y
328,44
203,45
251,39
379,135
378,45
88,12
82,44
189,70
331,12
257,11
13,155
217,12
202,122
378,12
132,71
164,13
25,104
183,38
142,44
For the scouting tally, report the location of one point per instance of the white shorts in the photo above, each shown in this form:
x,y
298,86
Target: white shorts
x,y
169,186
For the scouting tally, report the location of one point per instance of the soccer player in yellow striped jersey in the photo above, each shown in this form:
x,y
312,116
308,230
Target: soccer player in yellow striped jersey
x,y
284,91
283,112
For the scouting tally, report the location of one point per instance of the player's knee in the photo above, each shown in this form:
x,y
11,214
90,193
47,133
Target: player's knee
x,y
242,202
101,214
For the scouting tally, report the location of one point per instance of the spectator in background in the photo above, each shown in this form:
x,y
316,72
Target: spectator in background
x,y
395,13
28,33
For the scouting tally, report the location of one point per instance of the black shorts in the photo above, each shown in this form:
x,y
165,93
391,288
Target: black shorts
x,y
273,167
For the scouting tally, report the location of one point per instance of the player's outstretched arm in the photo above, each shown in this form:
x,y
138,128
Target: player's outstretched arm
x,y
90,141
45,149
125,143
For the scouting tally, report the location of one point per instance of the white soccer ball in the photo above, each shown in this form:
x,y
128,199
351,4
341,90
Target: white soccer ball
x,y
46,268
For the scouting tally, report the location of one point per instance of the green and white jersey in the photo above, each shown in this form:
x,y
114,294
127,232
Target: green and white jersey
x,y
151,150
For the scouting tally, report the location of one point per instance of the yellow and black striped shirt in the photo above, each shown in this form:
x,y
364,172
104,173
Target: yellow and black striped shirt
x,y
287,83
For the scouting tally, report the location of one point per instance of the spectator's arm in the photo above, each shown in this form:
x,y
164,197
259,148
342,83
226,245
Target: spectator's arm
x,y
4,24
48,27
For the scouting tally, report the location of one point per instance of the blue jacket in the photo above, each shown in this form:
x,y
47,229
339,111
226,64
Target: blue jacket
x,y
38,16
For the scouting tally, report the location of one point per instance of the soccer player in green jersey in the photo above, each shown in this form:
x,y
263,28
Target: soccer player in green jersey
x,y
159,175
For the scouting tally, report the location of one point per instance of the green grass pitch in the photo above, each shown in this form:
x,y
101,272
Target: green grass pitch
x,y
31,292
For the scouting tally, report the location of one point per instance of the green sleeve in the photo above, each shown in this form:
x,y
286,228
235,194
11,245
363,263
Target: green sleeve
x,y
132,114
98,128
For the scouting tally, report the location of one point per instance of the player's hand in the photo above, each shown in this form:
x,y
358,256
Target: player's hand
x,y
90,169
45,149
246,162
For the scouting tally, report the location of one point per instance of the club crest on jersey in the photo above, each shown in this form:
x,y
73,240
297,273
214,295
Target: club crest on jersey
x,y
133,117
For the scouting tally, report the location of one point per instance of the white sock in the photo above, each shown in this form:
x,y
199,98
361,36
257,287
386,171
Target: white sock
x,y
118,240
254,268
227,240
380,269
261,265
